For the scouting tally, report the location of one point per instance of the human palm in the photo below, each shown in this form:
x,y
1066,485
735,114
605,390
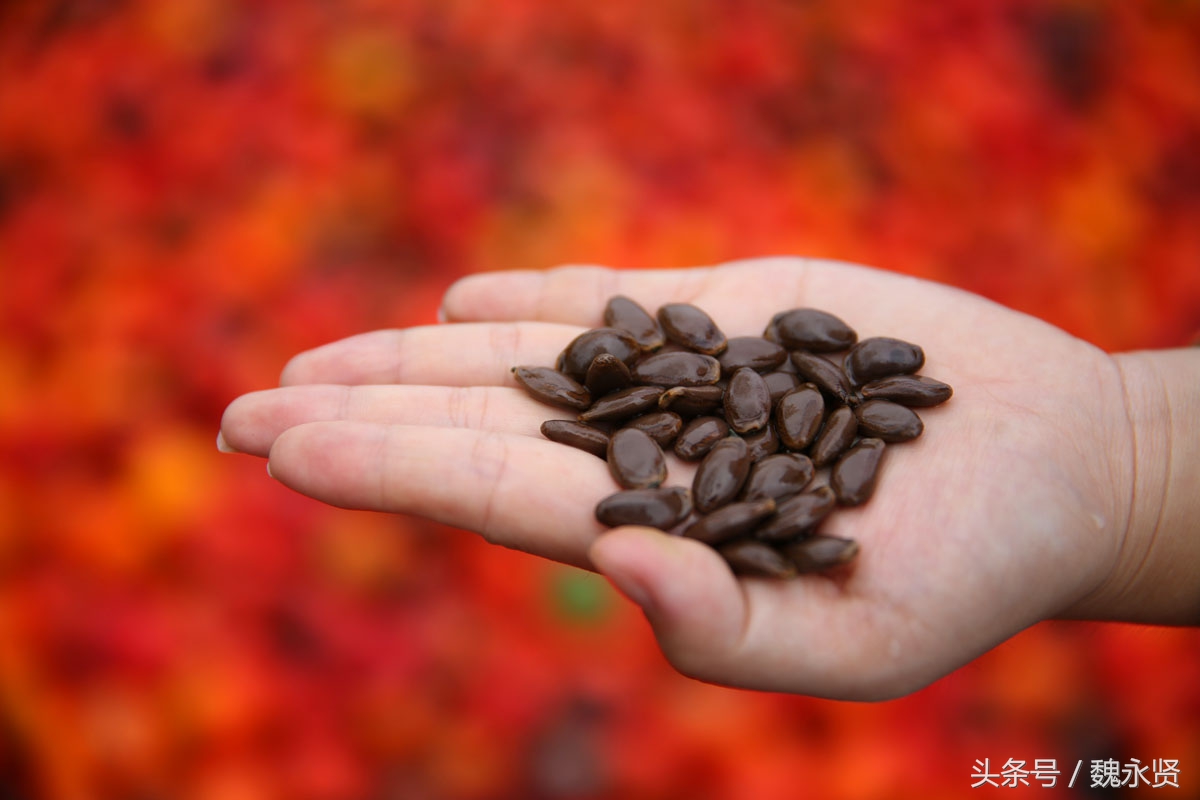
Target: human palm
x,y
1006,511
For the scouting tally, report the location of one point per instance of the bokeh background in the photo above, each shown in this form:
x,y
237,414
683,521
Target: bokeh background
x,y
192,191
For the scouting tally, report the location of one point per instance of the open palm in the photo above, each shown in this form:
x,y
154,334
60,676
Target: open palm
x,y
1005,512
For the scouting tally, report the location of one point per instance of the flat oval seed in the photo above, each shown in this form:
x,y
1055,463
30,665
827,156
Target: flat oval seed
x,y
915,391
827,376
607,373
663,426
754,352
553,387
820,553
584,348
747,401
679,368
780,383
721,474
854,475
778,476
879,357
625,314
691,401
837,434
623,404
797,515
762,443
889,421
798,416
731,521
635,460
699,436
661,508
814,330
685,324
577,434
748,557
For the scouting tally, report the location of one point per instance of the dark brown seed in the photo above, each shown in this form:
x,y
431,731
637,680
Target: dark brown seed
x,y
721,474
663,426
731,521
661,508
837,434
584,348
815,331
625,314
623,404
685,324
771,332
879,357
677,369
798,416
607,373
827,376
889,421
778,476
915,391
699,436
576,434
762,443
749,557
820,553
635,460
691,401
797,515
754,352
553,387
780,383
854,475
747,401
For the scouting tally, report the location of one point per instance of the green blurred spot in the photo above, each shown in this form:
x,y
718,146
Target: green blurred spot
x,y
580,597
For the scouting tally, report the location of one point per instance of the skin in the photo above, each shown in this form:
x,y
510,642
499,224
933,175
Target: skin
x,y
1054,484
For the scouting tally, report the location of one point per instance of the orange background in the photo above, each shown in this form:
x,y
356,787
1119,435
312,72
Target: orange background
x,y
191,192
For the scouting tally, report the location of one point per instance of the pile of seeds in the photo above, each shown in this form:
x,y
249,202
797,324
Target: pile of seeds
x,y
783,435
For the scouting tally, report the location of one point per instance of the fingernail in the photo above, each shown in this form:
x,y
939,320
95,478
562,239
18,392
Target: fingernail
x,y
223,445
269,473
441,315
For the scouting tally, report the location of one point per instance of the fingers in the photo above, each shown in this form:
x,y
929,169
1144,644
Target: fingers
x,y
516,491
253,421
446,355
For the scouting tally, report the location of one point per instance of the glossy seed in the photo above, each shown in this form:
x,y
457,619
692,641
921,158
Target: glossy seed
x,y
797,515
771,332
762,443
721,474
798,416
837,434
635,460
699,436
625,314
663,426
730,521
577,434
553,387
754,352
889,421
855,473
662,508
820,553
687,325
780,383
814,330
584,348
915,391
679,368
778,476
827,376
622,404
879,357
750,557
691,401
607,373
747,401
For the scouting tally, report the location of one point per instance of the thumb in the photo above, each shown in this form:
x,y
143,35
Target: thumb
x,y
690,597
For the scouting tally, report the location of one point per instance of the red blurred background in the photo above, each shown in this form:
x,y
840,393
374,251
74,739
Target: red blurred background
x,y
192,191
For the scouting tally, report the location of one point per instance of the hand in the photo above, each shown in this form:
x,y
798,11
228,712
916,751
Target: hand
x,y
1011,508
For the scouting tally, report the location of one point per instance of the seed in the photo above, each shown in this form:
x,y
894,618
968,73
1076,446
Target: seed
x,y
889,421
623,404
751,351
685,324
879,357
577,434
748,557
820,553
698,437
915,391
747,401
813,330
837,434
721,474
798,416
661,508
584,348
828,377
797,515
731,521
635,460
625,314
678,368
691,401
607,373
778,476
763,443
780,383
854,475
553,387
663,426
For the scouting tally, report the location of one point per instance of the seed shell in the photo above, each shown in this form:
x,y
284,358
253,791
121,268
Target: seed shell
x,y
855,473
625,314
577,434
721,474
692,327
553,387
661,508
747,401
749,557
889,421
730,521
635,460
